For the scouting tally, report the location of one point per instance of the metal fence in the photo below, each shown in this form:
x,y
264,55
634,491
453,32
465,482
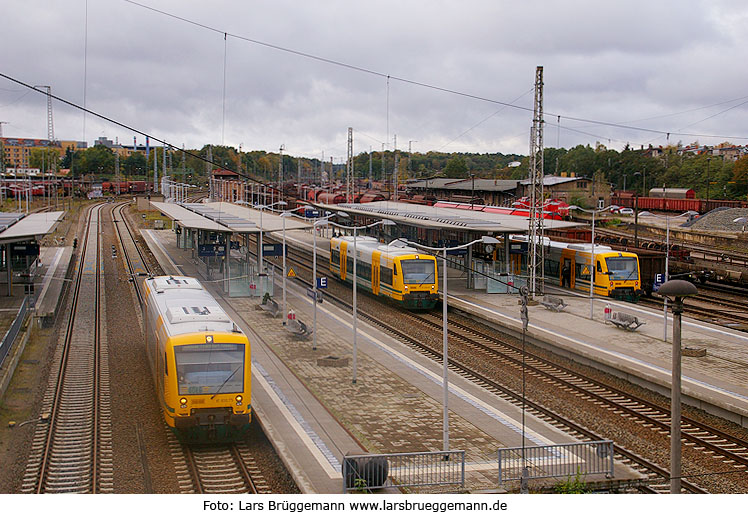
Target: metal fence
x,y
558,460
10,336
368,472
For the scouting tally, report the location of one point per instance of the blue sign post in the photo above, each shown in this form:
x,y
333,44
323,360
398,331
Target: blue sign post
x,y
322,283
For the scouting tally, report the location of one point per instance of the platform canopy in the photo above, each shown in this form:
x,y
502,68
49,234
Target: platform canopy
x,y
227,217
188,218
426,216
15,227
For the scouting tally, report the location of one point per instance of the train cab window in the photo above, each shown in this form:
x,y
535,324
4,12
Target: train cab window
x,y
418,271
166,366
599,268
623,268
210,368
335,257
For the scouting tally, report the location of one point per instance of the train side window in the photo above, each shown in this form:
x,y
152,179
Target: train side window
x,y
166,366
599,267
394,266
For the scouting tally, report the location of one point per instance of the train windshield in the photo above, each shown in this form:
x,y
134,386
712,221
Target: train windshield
x,y
210,368
418,271
622,268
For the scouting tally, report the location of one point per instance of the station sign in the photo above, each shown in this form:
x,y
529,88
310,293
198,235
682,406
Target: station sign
x,y
272,250
311,213
659,280
518,248
321,283
24,249
211,250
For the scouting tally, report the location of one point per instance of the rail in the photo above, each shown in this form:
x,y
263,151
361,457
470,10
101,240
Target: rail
x,y
556,461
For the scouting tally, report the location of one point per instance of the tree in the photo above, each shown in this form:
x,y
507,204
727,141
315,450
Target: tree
x,y
740,175
456,167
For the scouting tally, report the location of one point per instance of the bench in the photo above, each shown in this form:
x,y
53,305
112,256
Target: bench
x,y
297,328
556,304
625,321
270,306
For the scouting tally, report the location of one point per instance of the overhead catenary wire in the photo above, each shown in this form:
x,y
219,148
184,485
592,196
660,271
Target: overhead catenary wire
x,y
413,82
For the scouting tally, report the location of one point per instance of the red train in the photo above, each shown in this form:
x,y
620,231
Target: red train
x,y
557,210
128,187
673,204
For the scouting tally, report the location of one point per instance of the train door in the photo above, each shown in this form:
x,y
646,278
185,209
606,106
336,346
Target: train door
x,y
515,264
567,277
375,257
343,260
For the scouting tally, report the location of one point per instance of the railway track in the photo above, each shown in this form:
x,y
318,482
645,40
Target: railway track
x,y
214,469
711,442
72,450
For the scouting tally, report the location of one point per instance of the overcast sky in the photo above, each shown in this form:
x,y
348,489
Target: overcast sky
x,y
653,67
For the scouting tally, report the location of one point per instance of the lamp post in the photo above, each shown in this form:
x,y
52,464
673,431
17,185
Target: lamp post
x,y
445,371
667,258
636,214
742,220
676,291
592,252
318,222
383,222
708,160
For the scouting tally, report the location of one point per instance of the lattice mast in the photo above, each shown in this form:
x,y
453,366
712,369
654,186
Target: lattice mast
x,y
537,231
349,169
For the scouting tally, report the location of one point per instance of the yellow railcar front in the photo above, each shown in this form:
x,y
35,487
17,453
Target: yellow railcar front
x,y
200,361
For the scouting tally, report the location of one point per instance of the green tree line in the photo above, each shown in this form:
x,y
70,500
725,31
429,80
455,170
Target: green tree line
x,y
632,169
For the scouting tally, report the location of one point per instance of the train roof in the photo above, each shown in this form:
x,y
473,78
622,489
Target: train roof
x,y
187,307
371,244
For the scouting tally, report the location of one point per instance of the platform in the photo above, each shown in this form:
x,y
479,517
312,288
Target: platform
x,y
314,414
48,280
716,383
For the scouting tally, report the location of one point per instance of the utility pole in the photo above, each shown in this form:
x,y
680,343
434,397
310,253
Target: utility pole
x,y
349,169
536,186
410,152
280,171
397,165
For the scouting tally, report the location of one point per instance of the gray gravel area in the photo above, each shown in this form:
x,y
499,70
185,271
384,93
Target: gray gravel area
x,y
722,220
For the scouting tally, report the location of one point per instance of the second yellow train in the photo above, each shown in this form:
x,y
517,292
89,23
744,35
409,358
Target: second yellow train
x,y
402,275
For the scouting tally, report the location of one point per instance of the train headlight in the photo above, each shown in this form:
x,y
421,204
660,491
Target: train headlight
x,y
239,399
406,288
432,287
183,402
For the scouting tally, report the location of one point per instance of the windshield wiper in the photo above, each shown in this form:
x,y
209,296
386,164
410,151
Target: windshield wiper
x,y
225,381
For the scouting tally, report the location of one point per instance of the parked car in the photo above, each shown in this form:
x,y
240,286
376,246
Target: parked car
x,y
626,211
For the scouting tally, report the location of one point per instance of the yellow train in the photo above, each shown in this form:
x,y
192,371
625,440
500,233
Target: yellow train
x,y
616,274
200,361
405,276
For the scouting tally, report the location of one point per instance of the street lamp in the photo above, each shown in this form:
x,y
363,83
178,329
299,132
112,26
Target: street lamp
x,y
742,220
667,257
318,222
636,213
676,291
383,222
708,160
445,371
592,252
